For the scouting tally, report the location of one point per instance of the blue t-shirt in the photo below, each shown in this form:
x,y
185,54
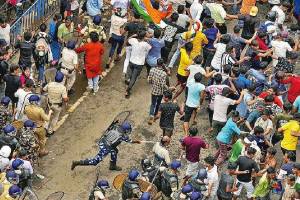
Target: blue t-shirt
x,y
154,53
242,82
297,7
228,131
296,104
194,91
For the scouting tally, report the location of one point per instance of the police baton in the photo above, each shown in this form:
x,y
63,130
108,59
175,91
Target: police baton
x,y
154,177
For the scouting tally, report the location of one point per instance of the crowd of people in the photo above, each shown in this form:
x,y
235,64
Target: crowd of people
x,y
233,59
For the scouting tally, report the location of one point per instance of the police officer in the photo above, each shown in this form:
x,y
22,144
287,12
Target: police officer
x,y
7,180
5,115
161,153
25,177
37,114
199,182
8,137
151,172
100,190
28,141
131,188
170,182
108,144
57,95
94,27
69,65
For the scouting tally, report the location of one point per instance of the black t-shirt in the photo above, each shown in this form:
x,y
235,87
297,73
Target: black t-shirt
x,y
26,51
250,23
245,163
168,111
12,85
133,27
225,180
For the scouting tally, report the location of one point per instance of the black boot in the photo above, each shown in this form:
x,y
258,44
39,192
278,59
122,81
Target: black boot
x,y
113,166
77,163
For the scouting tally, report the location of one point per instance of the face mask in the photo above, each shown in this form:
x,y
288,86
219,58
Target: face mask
x,y
41,53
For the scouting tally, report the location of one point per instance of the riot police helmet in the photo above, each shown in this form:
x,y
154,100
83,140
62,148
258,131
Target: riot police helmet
x,y
71,44
97,20
29,124
202,174
145,196
103,184
12,177
272,15
126,127
196,196
187,189
17,163
146,164
175,164
133,174
59,77
14,191
34,98
5,151
9,130
5,101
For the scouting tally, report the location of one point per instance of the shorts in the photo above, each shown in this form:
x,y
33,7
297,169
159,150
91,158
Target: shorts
x,y
249,188
188,111
181,79
192,168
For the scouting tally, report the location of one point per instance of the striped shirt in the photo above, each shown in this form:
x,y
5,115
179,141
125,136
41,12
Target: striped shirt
x,y
226,59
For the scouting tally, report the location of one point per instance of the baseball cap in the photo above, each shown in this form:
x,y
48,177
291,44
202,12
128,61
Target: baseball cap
x,y
253,11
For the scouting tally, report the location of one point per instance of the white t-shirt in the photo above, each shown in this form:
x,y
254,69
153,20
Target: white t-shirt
x,y
280,49
139,51
69,58
5,33
161,152
221,104
214,90
194,69
213,178
183,20
216,61
22,102
196,10
116,24
280,15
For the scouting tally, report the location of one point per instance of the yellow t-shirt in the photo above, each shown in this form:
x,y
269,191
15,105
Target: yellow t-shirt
x,y
198,42
289,142
185,61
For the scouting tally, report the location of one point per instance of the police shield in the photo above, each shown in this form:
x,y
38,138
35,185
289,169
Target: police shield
x,y
119,180
28,194
144,186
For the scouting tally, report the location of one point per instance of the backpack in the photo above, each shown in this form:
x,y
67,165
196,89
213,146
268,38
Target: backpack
x,y
264,27
41,46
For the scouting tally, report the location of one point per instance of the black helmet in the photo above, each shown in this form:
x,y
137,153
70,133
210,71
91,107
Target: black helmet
x,y
146,164
272,15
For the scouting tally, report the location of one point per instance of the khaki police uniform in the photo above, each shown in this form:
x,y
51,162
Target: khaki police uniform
x,y
56,93
69,60
6,185
38,115
91,27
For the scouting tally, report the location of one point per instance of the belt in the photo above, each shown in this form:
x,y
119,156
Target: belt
x,y
69,70
59,104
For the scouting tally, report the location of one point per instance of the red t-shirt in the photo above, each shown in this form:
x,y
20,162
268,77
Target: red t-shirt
x,y
276,98
261,44
193,145
294,89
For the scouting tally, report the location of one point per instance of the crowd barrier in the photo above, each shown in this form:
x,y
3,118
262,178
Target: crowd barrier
x,y
36,14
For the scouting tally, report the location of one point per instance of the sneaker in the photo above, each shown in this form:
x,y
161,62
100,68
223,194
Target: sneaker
x,y
96,89
151,120
88,89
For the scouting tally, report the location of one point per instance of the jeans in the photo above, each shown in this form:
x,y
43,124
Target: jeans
x,y
132,74
221,154
155,103
116,41
93,82
41,70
